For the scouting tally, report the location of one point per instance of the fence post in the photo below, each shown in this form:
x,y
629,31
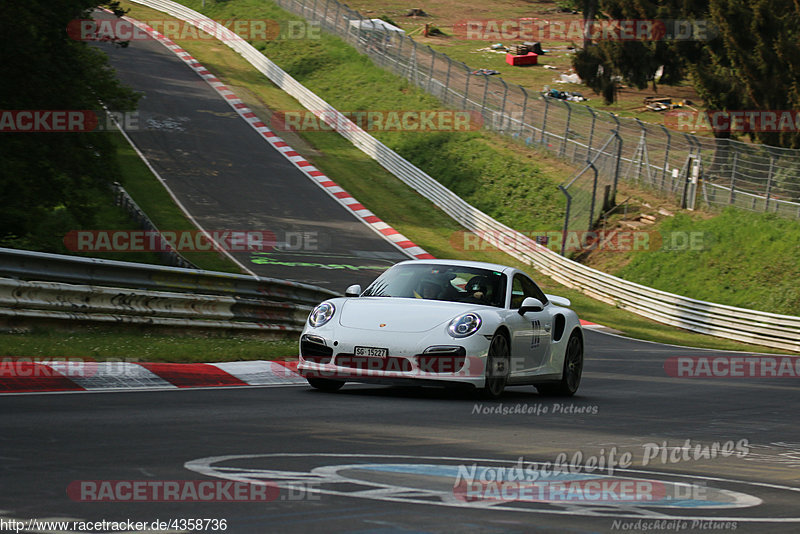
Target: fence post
x,y
325,13
447,80
485,92
591,135
503,106
430,72
336,19
524,109
566,129
544,118
466,86
666,157
616,166
566,219
733,176
594,196
769,182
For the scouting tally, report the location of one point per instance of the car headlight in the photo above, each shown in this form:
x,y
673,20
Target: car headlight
x,y
464,325
321,314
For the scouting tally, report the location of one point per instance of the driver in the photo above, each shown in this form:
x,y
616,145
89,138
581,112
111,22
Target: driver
x,y
477,290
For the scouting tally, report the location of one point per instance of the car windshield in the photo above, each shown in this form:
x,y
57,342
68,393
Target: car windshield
x,y
452,283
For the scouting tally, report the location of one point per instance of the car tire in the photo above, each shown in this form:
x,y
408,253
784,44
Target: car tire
x,y
573,369
497,367
325,384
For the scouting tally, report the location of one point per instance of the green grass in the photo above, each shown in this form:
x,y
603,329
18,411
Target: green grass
x,y
750,260
125,344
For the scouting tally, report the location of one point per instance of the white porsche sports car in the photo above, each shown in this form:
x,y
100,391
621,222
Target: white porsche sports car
x,y
445,323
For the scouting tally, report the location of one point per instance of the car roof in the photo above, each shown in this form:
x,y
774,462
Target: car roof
x,y
463,263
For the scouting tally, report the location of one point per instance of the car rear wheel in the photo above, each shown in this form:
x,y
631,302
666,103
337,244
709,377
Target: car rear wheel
x,y
497,367
325,384
571,375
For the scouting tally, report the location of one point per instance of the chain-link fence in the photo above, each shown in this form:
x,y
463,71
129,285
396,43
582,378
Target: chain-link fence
x,y
754,177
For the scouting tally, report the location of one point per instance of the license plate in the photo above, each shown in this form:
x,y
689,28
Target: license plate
x,y
372,352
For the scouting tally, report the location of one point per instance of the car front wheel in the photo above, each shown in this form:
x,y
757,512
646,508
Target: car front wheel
x,y
497,367
571,375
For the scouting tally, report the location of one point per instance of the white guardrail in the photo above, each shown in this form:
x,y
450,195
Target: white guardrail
x,y
749,326
40,286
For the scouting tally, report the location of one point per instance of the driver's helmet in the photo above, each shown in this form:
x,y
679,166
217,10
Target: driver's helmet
x,y
478,284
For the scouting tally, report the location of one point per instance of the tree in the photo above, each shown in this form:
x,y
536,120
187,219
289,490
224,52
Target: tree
x,y
749,59
50,182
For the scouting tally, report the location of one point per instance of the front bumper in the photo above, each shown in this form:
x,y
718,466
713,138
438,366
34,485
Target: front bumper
x,y
452,362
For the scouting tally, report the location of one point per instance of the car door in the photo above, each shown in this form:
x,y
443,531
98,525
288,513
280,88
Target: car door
x,y
530,343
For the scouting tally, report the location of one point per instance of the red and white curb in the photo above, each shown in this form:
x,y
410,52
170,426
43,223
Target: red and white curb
x,y
344,198
598,327
25,375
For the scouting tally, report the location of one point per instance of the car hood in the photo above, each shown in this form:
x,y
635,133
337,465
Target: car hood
x,y
389,314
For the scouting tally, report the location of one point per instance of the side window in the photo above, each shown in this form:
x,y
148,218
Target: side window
x,y
523,287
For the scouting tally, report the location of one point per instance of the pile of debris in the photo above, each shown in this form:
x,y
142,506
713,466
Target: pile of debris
x,y
564,95
416,12
654,103
525,48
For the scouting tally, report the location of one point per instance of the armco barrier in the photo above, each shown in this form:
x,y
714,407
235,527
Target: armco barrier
x,y
751,326
50,286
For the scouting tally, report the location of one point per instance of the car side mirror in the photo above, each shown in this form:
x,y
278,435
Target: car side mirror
x,y
353,291
531,304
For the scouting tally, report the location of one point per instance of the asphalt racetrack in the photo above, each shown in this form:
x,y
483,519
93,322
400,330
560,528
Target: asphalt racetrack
x,y
383,459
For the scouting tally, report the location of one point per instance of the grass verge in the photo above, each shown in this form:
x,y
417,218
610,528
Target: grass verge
x,y
106,343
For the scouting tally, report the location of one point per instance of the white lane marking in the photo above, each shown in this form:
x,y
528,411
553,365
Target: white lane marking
x,y
205,466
